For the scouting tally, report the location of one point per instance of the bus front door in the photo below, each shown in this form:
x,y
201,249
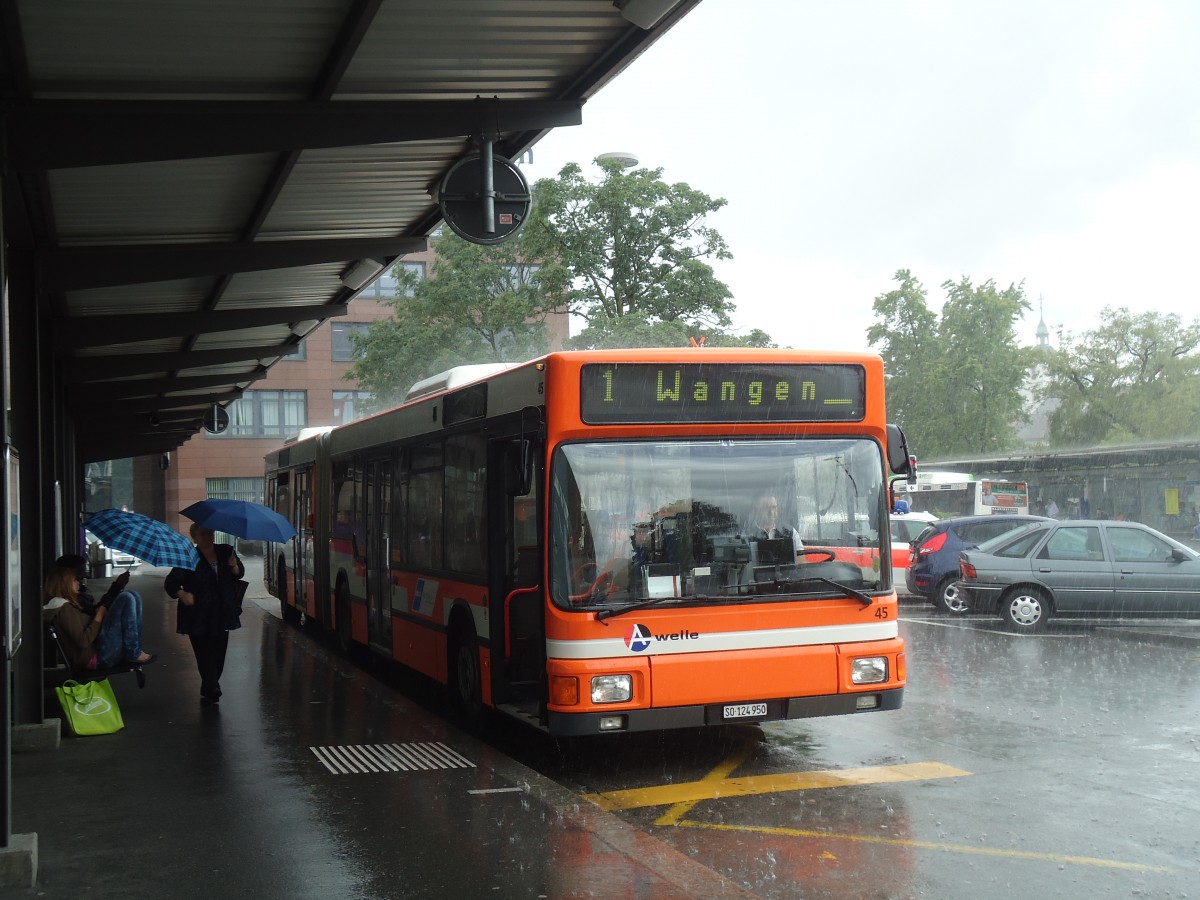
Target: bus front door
x,y
377,490
514,582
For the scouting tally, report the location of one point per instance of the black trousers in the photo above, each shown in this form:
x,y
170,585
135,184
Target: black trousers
x,y
210,660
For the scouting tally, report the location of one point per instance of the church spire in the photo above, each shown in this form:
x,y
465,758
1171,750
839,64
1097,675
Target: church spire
x,y
1043,333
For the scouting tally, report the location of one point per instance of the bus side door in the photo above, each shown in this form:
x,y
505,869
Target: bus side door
x,y
302,546
377,490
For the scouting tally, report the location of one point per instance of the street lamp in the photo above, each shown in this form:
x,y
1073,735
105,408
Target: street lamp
x,y
628,160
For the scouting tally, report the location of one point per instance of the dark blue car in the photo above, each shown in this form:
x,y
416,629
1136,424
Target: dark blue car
x,y
933,565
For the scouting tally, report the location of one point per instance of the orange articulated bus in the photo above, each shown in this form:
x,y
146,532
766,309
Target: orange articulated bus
x,y
576,540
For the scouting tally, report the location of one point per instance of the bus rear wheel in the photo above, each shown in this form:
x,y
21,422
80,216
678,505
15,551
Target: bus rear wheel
x,y
345,638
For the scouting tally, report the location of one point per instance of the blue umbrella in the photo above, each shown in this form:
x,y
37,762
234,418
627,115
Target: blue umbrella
x,y
148,539
241,518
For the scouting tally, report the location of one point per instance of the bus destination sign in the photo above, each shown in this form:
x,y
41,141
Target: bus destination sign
x,y
642,393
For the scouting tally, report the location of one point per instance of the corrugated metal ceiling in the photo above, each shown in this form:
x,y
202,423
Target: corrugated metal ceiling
x,y
173,166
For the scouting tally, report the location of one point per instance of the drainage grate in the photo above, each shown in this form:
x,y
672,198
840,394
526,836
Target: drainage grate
x,y
359,758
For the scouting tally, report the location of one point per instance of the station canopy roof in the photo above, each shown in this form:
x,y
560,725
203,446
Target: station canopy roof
x,y
190,183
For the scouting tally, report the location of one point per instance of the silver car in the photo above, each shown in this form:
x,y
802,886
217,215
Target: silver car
x,y
1080,567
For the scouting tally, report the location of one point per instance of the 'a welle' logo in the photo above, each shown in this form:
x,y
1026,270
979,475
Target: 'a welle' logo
x,y
640,637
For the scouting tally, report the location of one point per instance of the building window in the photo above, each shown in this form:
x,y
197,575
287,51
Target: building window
x,y
350,405
250,489
389,287
343,350
416,270
521,275
298,353
267,414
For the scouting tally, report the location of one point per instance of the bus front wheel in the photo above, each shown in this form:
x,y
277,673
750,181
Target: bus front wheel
x,y
465,674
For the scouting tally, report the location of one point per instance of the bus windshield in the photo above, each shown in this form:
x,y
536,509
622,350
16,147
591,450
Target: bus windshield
x,y
712,521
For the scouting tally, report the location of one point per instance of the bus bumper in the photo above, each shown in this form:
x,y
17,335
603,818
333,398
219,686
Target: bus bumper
x,y
626,721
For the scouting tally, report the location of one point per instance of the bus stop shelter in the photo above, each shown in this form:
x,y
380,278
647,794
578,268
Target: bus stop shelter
x,y
190,188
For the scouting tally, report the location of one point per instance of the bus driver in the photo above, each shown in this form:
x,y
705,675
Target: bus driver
x,y
766,523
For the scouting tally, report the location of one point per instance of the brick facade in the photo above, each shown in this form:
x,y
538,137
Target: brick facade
x,y
205,456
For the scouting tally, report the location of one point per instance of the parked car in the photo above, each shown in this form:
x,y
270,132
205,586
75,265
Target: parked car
x,y
933,564
905,527
1094,567
98,555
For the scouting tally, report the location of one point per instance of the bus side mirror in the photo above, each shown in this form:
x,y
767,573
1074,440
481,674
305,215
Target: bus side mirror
x,y
900,461
518,467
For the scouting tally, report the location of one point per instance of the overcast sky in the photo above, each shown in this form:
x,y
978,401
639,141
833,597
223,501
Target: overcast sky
x,y
1051,143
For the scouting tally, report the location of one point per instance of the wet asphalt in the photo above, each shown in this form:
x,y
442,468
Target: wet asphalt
x,y
1058,764
310,779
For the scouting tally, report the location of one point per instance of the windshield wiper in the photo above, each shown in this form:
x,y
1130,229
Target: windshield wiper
x,y
864,599
609,612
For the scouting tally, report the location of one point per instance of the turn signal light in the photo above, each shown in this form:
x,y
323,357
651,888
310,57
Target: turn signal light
x,y
564,690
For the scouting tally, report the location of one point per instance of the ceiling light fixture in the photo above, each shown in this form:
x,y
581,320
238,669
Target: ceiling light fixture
x,y
361,273
644,13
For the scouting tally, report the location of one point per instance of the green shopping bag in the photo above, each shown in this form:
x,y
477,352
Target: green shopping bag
x,y
90,708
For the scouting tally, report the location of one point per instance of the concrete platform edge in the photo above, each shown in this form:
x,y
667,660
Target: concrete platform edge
x,y
19,862
37,737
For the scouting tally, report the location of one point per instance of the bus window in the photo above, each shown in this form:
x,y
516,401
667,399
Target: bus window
x,y
425,507
399,501
672,516
466,512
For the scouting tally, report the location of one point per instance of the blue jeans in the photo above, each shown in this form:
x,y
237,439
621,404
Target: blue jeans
x,y
120,636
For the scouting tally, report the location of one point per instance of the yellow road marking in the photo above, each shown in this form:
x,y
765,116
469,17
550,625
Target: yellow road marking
x,y
716,776
716,785
683,797
931,845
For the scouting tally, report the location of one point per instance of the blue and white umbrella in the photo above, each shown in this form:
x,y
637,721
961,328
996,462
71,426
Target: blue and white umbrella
x,y
241,518
148,539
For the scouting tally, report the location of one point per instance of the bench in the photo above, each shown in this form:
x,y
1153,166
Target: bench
x,y
62,671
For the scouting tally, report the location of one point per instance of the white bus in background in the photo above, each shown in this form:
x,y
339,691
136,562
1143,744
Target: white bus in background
x,y
947,494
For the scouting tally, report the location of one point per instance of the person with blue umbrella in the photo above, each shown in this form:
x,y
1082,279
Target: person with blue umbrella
x,y
209,606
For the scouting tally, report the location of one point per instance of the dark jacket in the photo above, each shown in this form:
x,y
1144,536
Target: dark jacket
x,y
216,609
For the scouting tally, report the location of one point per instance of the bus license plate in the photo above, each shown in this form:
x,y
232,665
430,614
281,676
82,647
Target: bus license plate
x,y
745,710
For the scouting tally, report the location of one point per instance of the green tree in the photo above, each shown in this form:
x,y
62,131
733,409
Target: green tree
x,y
955,379
481,303
1133,378
635,247
905,333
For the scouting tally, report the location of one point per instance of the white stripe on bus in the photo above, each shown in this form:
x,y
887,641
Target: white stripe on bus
x,y
709,642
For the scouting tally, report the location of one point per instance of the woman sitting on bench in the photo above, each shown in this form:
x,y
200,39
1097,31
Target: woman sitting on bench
x,y
112,637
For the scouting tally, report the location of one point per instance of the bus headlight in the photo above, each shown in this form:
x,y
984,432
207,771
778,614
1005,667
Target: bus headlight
x,y
612,688
868,670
